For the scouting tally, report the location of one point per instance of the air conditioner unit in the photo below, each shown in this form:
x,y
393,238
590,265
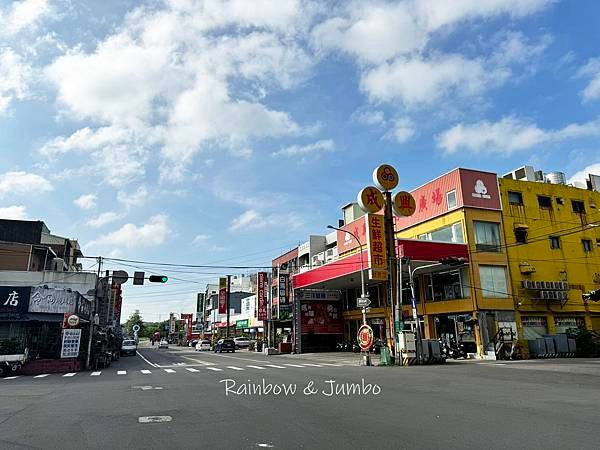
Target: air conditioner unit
x,y
539,284
547,284
565,285
552,295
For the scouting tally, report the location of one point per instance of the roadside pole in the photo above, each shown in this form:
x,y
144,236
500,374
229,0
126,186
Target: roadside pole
x,y
228,301
93,315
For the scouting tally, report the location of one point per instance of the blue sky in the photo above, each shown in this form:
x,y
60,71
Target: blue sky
x,y
224,132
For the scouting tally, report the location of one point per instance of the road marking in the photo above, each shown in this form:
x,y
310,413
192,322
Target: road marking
x,y
145,371
312,365
203,363
275,366
72,374
490,364
235,368
191,369
257,367
142,356
95,374
42,376
294,365
265,445
154,419
12,378
121,372
333,365
169,371
214,368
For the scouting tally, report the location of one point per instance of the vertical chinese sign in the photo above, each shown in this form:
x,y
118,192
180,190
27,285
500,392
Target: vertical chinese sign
x,y
118,302
282,292
222,295
262,296
376,247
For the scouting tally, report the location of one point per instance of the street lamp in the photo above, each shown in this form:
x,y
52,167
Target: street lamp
x,y
362,280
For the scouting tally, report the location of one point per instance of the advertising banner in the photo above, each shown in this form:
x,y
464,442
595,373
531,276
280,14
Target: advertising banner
x,y
241,324
346,242
84,307
118,302
53,301
187,319
321,318
222,295
376,247
14,299
70,343
262,296
309,294
172,324
200,305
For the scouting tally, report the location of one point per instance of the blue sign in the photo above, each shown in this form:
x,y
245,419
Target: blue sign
x,y
14,299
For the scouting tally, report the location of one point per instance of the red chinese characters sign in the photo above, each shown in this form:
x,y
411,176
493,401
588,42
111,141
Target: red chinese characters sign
x,y
188,318
222,295
377,248
346,242
262,295
321,318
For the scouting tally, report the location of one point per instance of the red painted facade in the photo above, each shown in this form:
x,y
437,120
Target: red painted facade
x,y
339,268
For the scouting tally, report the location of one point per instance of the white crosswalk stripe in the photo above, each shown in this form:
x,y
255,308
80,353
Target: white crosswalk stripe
x,y
95,374
257,367
312,365
11,378
145,371
42,376
235,368
214,368
191,369
71,374
275,366
169,371
121,372
332,365
294,365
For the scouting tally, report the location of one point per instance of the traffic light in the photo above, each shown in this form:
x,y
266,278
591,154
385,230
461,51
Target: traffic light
x,y
453,261
593,295
158,279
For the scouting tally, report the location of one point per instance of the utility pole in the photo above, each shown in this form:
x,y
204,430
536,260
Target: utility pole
x,y
391,253
228,302
93,316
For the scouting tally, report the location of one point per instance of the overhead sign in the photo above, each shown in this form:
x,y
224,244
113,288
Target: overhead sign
x,y
14,299
70,343
262,296
138,278
55,301
73,320
309,294
404,204
370,199
377,251
365,337
385,177
363,302
84,307
222,295
119,277
241,324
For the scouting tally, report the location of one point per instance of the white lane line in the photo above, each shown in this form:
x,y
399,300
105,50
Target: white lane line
x,y
235,368
11,378
214,368
154,419
312,365
294,365
169,371
332,365
275,366
191,369
145,371
490,364
95,374
257,367
42,376
142,356
71,374
121,372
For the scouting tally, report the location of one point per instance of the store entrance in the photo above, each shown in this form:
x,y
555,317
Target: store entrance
x,y
457,329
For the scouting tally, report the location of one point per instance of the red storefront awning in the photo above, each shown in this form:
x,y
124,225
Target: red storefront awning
x,y
224,324
419,250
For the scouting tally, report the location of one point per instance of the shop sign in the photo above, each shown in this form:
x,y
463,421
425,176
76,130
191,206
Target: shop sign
x,y
385,177
73,320
262,295
321,318
70,343
370,199
118,302
283,289
404,204
305,294
84,307
187,320
222,295
365,337
53,301
377,251
346,242
14,299
241,324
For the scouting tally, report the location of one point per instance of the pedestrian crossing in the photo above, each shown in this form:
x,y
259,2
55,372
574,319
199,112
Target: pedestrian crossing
x,y
248,367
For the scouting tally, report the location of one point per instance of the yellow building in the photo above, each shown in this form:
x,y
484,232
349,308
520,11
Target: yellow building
x,y
552,241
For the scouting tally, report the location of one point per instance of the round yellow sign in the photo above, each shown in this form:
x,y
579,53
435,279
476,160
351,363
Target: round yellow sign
x,y
370,199
404,204
385,177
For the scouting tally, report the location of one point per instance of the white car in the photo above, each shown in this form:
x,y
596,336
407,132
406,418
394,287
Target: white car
x,y
129,347
203,345
242,342
163,344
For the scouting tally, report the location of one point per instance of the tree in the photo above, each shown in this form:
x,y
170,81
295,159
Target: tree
x,y
134,319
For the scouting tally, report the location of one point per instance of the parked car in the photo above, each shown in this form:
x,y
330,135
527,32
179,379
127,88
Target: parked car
x,y
203,345
128,347
163,344
242,342
193,342
225,344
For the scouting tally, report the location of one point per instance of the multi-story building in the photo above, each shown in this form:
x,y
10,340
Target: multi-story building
x,y
552,241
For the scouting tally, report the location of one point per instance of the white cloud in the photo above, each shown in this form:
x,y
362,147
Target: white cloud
x,y
509,135
248,219
13,213
303,150
582,175
22,15
104,219
130,236
254,219
514,47
15,75
369,117
200,239
131,199
402,131
20,183
591,70
86,201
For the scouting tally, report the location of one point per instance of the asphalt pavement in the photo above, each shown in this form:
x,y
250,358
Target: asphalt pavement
x,y
179,398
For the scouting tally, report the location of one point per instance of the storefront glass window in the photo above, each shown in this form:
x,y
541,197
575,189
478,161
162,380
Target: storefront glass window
x,y
450,233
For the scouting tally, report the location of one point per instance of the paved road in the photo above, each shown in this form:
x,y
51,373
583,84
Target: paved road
x,y
539,404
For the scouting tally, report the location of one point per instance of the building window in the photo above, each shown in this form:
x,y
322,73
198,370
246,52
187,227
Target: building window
x,y
521,236
493,281
578,206
560,201
587,245
487,236
451,199
554,242
450,233
545,202
441,286
515,198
